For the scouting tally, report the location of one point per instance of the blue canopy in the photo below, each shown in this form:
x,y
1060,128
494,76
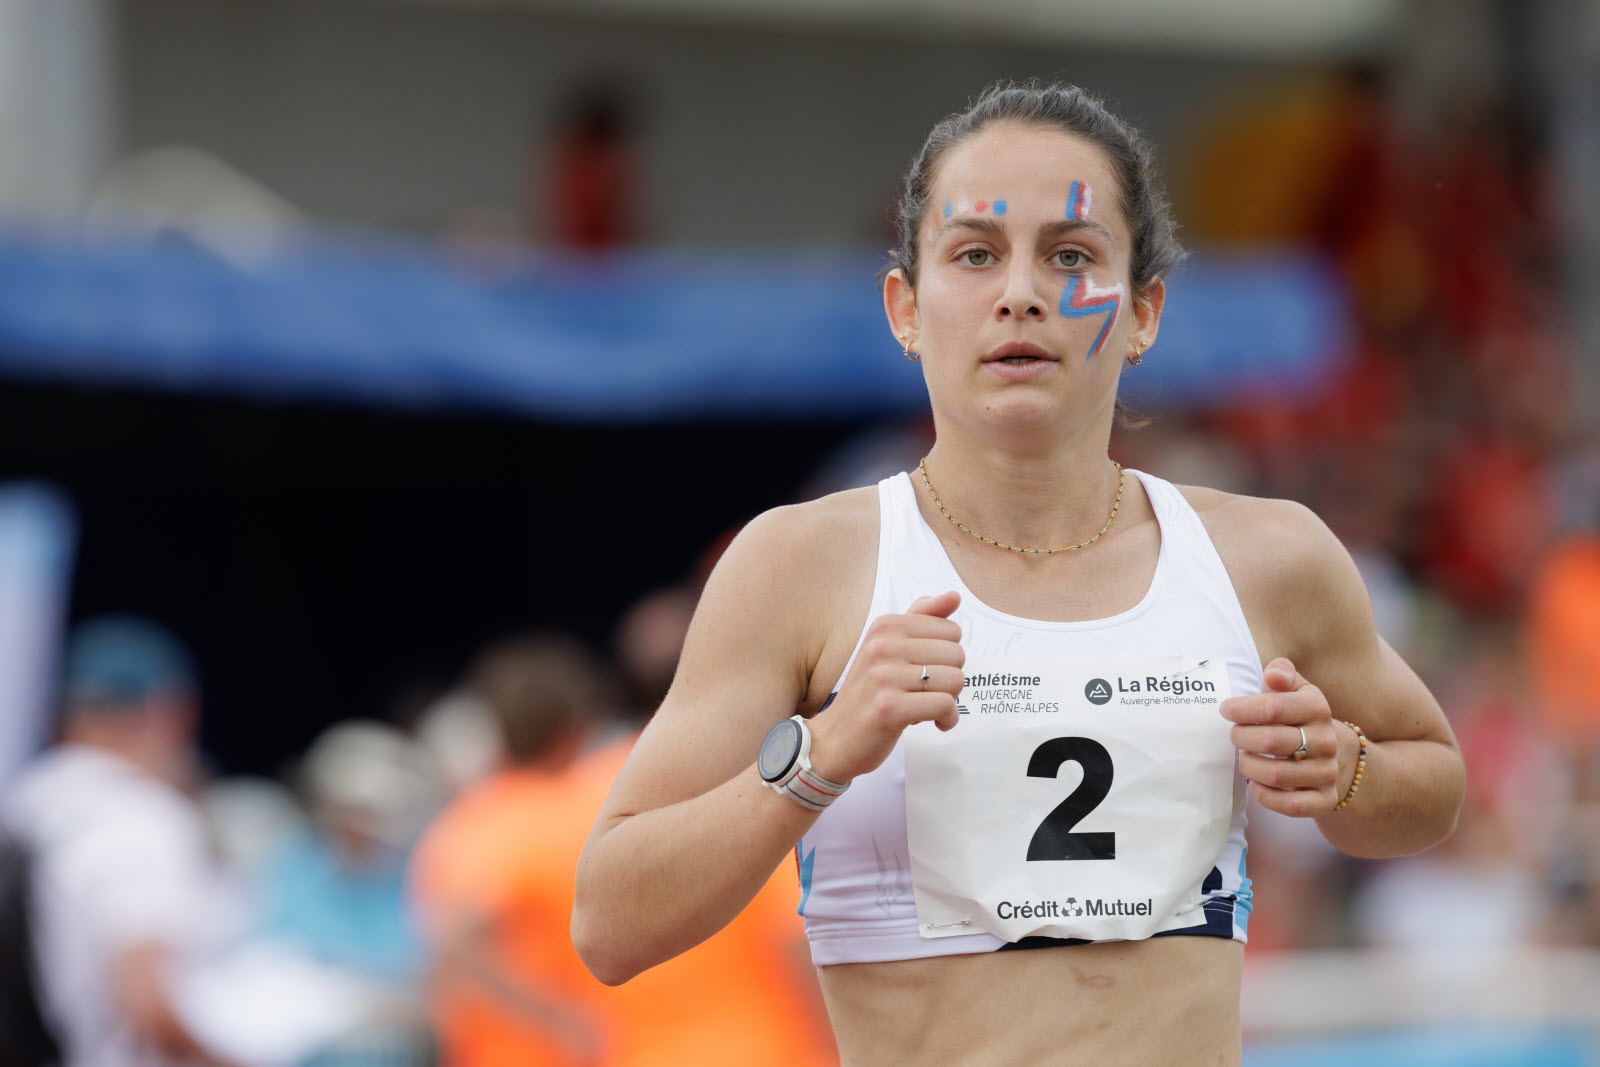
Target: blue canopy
x,y
641,335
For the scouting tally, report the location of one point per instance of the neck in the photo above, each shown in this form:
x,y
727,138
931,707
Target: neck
x,y
1025,493
132,744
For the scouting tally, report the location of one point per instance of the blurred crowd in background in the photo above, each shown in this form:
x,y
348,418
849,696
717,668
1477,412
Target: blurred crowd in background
x,y
401,894
402,898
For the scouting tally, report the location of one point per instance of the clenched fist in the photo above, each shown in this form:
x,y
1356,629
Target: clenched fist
x,y
1272,725
908,670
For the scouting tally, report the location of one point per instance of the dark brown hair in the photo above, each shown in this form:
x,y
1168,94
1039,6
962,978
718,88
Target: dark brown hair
x,y
537,687
1140,196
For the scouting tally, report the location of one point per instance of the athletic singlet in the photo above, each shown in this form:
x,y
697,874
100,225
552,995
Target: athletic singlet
x,y
855,868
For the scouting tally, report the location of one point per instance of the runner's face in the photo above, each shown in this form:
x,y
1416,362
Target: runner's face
x,y
1023,245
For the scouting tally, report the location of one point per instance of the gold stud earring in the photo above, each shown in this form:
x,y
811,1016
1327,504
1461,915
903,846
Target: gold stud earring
x,y
905,349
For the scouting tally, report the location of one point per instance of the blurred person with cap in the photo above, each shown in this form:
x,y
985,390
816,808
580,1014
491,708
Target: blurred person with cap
x,y
336,891
128,897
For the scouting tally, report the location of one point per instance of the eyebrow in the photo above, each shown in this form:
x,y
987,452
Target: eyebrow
x,y
1058,228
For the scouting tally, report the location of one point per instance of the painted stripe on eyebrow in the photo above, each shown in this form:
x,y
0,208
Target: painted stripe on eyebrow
x,y
1072,200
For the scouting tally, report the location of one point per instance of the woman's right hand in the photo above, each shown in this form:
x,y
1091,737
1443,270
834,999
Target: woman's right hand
x,y
884,692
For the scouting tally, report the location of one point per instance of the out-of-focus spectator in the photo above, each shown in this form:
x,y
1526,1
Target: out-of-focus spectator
x,y
748,994
494,882
251,819
129,901
1563,638
1479,892
460,736
649,641
593,175
493,876
337,892
768,1005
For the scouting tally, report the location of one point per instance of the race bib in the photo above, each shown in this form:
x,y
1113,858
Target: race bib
x,y
1076,797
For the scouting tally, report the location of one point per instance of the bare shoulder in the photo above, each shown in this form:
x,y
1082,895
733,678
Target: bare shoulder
x,y
803,546
1272,532
841,516
766,616
1305,600
812,562
1294,578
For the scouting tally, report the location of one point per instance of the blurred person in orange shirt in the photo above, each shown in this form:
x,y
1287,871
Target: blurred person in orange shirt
x,y
493,880
768,1005
1563,638
492,877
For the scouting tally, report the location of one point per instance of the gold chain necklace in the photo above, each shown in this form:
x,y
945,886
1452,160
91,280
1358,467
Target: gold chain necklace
x,y
1122,477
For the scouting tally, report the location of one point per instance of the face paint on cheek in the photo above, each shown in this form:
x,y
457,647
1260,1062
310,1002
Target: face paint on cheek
x,y
1082,298
947,209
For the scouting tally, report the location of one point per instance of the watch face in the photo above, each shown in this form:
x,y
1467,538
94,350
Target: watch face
x,y
779,750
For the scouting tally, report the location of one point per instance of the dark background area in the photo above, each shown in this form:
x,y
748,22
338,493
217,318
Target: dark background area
x,y
331,562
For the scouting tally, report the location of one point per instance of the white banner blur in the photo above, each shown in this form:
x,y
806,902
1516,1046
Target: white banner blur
x,y
37,537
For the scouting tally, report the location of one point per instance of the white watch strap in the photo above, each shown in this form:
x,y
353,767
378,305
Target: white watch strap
x,y
812,790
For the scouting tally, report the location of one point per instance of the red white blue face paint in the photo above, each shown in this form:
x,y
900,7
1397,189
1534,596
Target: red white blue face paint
x,y
974,207
965,206
1082,298
1080,199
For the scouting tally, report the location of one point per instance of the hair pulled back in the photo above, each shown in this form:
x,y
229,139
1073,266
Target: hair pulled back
x,y
1140,196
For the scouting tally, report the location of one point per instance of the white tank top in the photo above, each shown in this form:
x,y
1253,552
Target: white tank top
x,y
855,868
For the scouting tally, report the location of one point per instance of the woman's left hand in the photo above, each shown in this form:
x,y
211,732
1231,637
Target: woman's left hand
x,y
1268,732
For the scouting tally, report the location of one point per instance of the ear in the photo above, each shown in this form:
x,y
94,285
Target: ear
x,y
900,308
1147,315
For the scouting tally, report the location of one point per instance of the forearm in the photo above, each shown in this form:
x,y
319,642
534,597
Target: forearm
x,y
1409,798
143,993
660,882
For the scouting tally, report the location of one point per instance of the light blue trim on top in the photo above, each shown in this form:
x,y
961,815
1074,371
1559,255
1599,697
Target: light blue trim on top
x,y
1243,897
805,864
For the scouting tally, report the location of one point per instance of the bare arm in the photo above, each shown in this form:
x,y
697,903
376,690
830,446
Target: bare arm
x,y
141,986
1330,664
689,833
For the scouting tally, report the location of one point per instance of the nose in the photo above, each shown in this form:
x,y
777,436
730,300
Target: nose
x,y
1020,298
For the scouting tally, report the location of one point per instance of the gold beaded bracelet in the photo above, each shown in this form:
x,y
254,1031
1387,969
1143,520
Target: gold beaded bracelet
x,y
1361,765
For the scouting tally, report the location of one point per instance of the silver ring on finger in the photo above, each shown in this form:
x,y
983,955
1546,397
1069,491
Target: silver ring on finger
x,y
1302,752
924,677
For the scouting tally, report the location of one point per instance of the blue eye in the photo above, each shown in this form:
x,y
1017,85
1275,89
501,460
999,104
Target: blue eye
x,y
1077,257
969,253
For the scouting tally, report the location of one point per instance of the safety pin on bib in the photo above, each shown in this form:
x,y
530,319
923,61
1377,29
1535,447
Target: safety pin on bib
x,y
940,926
1189,670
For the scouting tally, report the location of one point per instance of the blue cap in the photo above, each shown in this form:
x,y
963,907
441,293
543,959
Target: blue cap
x,y
123,659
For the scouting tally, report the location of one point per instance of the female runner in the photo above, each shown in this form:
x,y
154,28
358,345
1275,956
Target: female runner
x,y
1029,689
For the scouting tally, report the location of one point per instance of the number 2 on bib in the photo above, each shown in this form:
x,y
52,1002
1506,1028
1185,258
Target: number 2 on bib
x,y
1055,839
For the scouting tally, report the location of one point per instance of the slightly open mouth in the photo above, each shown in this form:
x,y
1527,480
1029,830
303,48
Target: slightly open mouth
x,y
1019,360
